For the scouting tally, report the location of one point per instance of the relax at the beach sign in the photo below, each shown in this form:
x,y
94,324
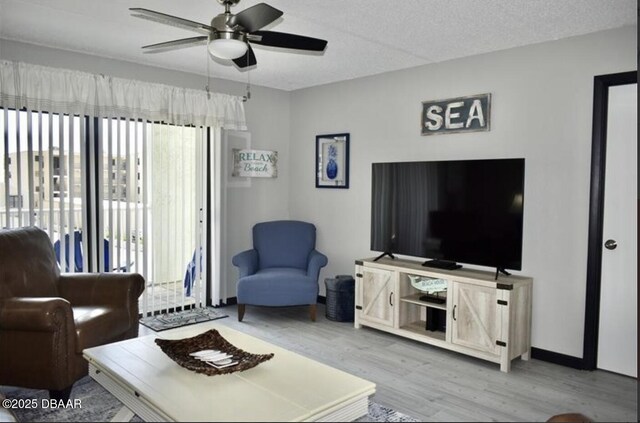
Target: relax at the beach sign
x,y
462,114
255,163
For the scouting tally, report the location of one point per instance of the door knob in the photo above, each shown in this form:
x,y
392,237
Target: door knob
x,y
610,244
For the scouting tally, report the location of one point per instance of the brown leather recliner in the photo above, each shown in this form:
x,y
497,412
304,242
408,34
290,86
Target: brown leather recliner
x,y
48,318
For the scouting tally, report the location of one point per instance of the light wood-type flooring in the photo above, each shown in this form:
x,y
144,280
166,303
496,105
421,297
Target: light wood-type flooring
x,y
431,384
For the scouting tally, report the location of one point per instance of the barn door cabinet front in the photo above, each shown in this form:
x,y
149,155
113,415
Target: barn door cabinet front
x,y
375,292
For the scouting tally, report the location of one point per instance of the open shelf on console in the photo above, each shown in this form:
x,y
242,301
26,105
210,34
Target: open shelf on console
x,y
418,327
415,299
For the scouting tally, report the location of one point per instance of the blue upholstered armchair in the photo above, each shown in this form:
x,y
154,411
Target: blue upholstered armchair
x,y
282,268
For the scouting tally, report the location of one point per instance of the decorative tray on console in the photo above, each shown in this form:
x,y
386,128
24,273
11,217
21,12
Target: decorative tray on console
x,y
428,285
431,287
180,350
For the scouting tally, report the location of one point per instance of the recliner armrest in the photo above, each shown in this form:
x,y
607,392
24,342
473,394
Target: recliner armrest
x,y
101,289
37,343
38,314
247,262
317,260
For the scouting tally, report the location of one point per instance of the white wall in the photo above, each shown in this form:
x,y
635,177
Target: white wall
x,y
541,110
267,116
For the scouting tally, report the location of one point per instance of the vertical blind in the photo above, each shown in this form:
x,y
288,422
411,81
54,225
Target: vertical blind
x,y
114,195
42,177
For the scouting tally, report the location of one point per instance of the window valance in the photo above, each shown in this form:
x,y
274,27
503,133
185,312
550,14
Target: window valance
x,y
55,90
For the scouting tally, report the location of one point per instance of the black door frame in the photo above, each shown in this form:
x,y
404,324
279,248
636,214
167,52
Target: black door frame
x,y
601,85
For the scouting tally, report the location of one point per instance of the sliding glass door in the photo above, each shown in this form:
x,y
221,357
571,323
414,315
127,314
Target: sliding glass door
x,y
114,195
152,191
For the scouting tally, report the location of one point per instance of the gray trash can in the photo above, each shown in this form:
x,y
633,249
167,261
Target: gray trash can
x,y
340,298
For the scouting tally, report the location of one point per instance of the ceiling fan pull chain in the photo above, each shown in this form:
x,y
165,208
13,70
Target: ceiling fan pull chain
x,y
247,97
208,76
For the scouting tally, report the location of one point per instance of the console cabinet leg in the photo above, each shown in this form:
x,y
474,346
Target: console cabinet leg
x,y
505,364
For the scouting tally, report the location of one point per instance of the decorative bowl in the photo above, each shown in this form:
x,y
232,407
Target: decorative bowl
x,y
179,350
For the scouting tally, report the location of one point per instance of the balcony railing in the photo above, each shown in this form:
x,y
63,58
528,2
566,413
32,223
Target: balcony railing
x,y
162,292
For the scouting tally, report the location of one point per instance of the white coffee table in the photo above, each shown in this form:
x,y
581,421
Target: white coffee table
x,y
289,387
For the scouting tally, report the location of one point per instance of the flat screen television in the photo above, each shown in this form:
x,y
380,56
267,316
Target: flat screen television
x,y
468,211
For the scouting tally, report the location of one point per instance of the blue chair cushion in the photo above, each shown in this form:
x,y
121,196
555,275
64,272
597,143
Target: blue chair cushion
x,y
277,286
78,255
284,243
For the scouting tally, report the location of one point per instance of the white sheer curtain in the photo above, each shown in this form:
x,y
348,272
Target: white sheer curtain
x,y
43,88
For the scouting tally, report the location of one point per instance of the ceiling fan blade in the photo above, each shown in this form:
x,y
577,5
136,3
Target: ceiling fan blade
x,y
284,40
163,18
255,17
249,59
175,44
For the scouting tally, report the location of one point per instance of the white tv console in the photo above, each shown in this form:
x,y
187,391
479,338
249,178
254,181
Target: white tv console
x,y
485,318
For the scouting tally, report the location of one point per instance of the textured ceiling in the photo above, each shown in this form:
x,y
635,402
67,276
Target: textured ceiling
x,y
365,37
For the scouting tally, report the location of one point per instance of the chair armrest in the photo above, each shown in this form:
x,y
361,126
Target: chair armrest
x,y
101,289
247,262
317,260
38,342
35,314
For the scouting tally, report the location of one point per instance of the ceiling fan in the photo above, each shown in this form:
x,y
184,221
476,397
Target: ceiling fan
x,y
229,36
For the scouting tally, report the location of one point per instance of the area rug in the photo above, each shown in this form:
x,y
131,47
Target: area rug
x,y
93,403
166,321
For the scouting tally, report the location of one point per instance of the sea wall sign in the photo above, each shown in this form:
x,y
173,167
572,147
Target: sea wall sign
x,y
462,114
255,163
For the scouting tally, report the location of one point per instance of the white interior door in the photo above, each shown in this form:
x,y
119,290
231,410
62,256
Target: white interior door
x,y
618,331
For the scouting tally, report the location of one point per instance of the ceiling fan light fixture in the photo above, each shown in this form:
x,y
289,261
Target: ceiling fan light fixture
x,y
227,45
228,35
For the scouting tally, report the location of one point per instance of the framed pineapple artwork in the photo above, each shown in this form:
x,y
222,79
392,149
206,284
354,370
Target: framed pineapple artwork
x,y
332,161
